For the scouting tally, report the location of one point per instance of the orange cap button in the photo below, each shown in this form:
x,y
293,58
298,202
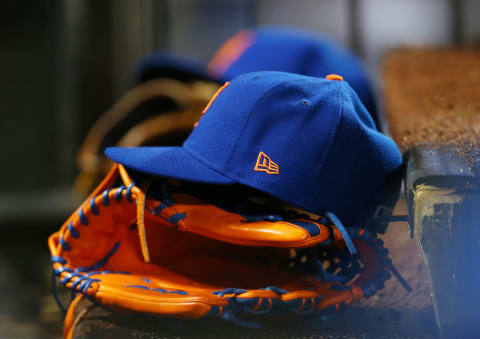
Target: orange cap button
x,y
334,77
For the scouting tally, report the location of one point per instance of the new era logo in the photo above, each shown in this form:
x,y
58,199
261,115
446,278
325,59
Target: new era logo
x,y
265,164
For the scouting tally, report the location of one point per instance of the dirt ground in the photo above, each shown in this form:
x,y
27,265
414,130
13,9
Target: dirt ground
x,y
27,309
432,96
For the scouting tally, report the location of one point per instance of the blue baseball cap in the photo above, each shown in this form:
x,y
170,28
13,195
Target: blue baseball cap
x,y
293,50
267,48
307,141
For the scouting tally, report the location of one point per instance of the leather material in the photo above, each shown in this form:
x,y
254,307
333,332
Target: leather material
x,y
233,228
210,263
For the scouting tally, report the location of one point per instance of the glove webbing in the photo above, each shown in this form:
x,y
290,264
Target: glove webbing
x,y
82,281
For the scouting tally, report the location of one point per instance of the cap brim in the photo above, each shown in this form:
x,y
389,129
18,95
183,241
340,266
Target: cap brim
x,y
172,162
170,65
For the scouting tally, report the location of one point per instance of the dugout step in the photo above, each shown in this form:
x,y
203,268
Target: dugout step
x,y
443,199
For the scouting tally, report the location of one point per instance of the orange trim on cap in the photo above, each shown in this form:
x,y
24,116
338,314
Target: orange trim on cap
x,y
225,85
334,77
229,52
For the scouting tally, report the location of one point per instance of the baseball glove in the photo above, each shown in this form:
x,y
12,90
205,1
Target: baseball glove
x,y
156,112
157,248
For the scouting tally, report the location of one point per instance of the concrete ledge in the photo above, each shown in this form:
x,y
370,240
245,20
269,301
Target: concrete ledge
x,y
444,208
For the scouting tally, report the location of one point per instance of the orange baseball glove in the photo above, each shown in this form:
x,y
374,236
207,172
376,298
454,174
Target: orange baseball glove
x,y
158,249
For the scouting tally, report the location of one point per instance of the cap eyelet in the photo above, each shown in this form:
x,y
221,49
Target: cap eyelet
x,y
334,77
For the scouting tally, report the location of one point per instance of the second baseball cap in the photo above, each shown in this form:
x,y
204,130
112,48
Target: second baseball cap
x,y
307,141
293,50
268,48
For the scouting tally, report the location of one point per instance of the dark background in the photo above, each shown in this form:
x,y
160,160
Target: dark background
x,y
63,63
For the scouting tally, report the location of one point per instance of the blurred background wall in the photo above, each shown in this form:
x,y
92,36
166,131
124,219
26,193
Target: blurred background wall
x,y
65,62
